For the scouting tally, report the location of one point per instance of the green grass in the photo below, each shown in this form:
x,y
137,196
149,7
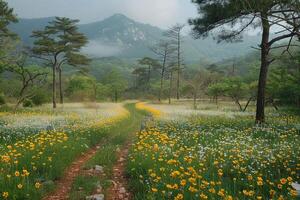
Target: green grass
x,y
215,158
107,154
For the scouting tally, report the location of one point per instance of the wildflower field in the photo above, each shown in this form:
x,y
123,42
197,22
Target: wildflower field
x,y
37,145
210,157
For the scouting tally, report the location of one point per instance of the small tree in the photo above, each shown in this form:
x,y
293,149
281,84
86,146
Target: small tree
x,y
151,64
116,83
164,51
216,90
175,36
31,77
198,81
58,44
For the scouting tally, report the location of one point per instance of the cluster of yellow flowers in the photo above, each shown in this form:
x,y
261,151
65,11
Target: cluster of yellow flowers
x,y
206,161
143,106
26,163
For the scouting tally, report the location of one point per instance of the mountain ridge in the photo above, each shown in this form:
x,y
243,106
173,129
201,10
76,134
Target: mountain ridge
x,y
121,36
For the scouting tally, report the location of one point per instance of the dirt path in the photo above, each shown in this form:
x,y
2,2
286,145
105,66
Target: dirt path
x,y
63,186
118,190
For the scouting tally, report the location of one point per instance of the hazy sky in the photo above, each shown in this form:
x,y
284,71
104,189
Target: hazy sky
x,y
162,13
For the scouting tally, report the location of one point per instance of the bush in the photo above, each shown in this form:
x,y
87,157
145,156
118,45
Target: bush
x,y
2,99
39,98
27,103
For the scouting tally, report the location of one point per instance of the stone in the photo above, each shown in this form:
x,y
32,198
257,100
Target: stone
x,y
98,168
95,197
122,190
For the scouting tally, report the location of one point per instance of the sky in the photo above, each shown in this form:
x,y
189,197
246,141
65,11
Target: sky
x,y
161,13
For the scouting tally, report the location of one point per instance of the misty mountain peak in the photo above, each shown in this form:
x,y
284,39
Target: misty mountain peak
x,y
119,16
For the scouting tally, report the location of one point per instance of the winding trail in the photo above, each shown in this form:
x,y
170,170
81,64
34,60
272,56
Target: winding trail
x,y
118,189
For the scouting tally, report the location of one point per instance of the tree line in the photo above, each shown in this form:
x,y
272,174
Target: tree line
x,y
164,75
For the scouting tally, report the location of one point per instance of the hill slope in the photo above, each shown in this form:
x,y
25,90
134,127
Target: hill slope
x,y
123,37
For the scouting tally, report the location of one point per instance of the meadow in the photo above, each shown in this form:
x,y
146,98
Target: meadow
x,y
205,156
37,145
177,152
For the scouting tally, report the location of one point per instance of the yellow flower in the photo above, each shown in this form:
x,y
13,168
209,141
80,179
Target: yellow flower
x,y
212,190
155,147
203,196
183,182
272,193
20,186
37,185
221,193
174,174
179,197
5,195
17,173
192,189
154,189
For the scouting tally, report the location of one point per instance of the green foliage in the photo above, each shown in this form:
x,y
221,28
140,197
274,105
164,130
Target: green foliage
x,y
61,39
81,87
39,98
116,84
7,16
2,99
28,103
216,89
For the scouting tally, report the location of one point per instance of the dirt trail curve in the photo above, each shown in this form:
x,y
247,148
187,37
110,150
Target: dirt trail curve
x,y
63,186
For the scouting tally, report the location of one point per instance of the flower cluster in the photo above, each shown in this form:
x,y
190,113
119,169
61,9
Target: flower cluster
x,y
33,157
142,106
208,160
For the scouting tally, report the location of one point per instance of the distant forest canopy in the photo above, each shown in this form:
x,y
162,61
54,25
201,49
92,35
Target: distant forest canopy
x,y
43,60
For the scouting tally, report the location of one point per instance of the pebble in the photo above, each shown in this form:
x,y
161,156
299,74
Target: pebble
x,y
98,168
95,197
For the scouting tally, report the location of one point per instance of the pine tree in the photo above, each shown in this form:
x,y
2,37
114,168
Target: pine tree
x,y
7,17
58,44
233,17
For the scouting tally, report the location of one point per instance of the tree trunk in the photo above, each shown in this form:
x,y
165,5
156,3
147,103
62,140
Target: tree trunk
x,y
178,68
195,100
162,78
116,96
265,48
238,103
61,94
248,102
54,86
170,89
149,76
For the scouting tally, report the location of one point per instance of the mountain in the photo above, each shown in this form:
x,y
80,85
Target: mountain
x,y
25,27
123,37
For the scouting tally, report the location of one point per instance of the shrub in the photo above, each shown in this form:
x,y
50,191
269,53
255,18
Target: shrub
x,y
28,103
39,98
2,99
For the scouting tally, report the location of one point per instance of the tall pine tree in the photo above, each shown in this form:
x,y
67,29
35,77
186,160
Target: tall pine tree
x,y
58,44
